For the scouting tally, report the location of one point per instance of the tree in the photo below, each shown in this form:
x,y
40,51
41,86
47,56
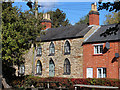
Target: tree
x,y
84,20
18,29
113,18
111,6
58,18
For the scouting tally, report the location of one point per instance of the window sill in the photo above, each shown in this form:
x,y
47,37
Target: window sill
x,y
97,54
21,73
51,55
38,74
66,73
66,53
38,55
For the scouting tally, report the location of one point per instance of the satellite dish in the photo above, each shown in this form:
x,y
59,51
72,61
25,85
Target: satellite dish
x,y
107,45
117,55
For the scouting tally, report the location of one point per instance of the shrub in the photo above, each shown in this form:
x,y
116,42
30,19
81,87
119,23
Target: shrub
x,y
27,81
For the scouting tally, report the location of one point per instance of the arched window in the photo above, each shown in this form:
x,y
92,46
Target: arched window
x,y
39,68
22,69
67,48
67,69
51,49
39,51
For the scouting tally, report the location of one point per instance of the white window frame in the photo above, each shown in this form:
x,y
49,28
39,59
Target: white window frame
x,y
51,49
95,50
21,69
102,73
87,72
39,51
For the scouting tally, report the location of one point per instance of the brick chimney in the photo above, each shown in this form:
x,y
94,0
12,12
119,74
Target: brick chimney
x,y
93,15
46,22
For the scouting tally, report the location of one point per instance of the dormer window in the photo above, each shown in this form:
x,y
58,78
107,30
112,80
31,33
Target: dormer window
x,y
67,48
51,49
39,51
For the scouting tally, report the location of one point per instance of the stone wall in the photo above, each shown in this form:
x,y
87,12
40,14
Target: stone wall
x,y
75,58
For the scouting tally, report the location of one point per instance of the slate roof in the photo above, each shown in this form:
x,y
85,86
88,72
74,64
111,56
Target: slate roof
x,y
64,32
97,38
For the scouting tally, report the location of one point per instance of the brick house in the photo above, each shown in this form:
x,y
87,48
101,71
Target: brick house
x,y
59,53
101,54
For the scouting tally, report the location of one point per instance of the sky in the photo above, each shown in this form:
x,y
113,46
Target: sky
x,y
67,0
74,10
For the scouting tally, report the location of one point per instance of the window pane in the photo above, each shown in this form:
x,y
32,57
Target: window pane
x,y
21,69
99,73
98,49
104,72
37,51
67,67
67,49
95,51
40,51
101,48
52,48
37,69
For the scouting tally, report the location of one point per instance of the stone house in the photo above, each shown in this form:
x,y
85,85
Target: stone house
x,y
101,54
67,52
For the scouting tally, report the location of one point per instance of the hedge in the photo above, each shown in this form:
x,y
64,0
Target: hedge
x,y
28,81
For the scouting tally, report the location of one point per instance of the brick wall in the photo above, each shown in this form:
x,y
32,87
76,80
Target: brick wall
x,y
103,60
93,19
46,24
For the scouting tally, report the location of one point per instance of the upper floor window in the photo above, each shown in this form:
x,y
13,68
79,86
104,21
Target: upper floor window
x,y
39,67
39,51
67,47
98,49
21,69
67,69
51,49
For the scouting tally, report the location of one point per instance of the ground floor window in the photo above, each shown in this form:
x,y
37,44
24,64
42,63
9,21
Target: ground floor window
x,y
39,68
101,72
67,69
89,72
21,69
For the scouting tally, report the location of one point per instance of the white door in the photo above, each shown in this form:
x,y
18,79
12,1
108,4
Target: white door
x,y
89,72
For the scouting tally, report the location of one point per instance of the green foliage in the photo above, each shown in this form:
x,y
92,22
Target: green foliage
x,y
84,20
18,29
56,82
110,6
97,81
58,18
112,18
